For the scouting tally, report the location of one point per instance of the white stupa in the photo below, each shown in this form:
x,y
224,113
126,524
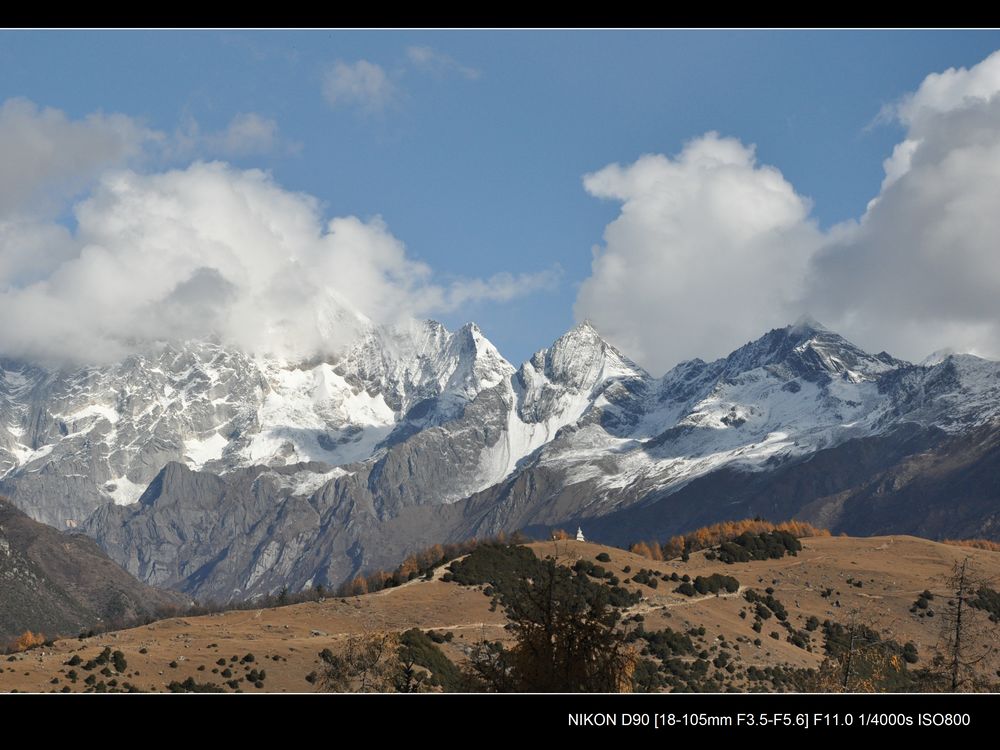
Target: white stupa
x,y
579,535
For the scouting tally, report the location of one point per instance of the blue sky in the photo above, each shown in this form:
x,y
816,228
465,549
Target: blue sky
x,y
475,150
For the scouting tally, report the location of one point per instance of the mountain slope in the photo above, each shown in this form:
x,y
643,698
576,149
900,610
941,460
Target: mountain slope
x,y
889,574
63,583
72,440
267,474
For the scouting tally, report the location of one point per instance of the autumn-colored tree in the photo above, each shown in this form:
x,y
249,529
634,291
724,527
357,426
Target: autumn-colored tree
x,y
560,535
641,548
974,543
377,580
358,586
408,568
716,534
28,640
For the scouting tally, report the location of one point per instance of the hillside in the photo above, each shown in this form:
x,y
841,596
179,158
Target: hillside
x,y
63,583
285,642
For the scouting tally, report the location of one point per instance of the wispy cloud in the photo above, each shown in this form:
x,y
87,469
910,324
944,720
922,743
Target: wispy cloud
x,y
432,60
500,287
360,84
247,134
45,155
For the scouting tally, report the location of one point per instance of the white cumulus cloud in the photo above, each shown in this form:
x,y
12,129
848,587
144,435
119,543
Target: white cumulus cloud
x,y
706,253
210,251
920,270
712,249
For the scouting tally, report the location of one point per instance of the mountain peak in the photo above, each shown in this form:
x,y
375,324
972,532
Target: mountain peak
x,y
806,323
809,350
580,356
937,357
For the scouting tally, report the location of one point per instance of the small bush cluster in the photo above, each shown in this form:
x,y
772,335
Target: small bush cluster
x,y
988,600
767,601
190,686
922,606
765,545
417,647
716,534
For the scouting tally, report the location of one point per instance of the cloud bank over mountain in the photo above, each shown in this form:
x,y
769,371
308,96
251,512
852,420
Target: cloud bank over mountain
x,y
710,245
207,250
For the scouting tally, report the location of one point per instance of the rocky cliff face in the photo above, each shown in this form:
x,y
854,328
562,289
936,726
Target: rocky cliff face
x,y
72,440
255,474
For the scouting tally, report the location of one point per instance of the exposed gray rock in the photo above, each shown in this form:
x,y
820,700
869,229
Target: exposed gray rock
x,y
264,474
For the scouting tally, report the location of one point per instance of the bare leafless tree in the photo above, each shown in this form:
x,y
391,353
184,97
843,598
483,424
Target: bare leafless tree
x,y
961,645
865,661
367,663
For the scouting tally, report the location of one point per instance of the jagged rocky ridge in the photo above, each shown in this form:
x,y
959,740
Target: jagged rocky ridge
x,y
256,474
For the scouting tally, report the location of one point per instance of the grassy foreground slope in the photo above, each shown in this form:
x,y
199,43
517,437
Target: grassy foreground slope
x,y
875,581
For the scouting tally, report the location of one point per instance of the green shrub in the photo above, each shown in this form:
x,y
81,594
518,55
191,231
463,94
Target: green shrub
x,y
506,567
417,647
798,639
190,686
763,546
715,583
603,557
767,601
988,600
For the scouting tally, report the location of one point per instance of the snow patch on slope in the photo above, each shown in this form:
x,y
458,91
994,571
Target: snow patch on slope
x,y
199,451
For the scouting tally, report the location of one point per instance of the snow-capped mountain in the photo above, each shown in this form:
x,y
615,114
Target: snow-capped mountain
x,y
255,473
74,439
